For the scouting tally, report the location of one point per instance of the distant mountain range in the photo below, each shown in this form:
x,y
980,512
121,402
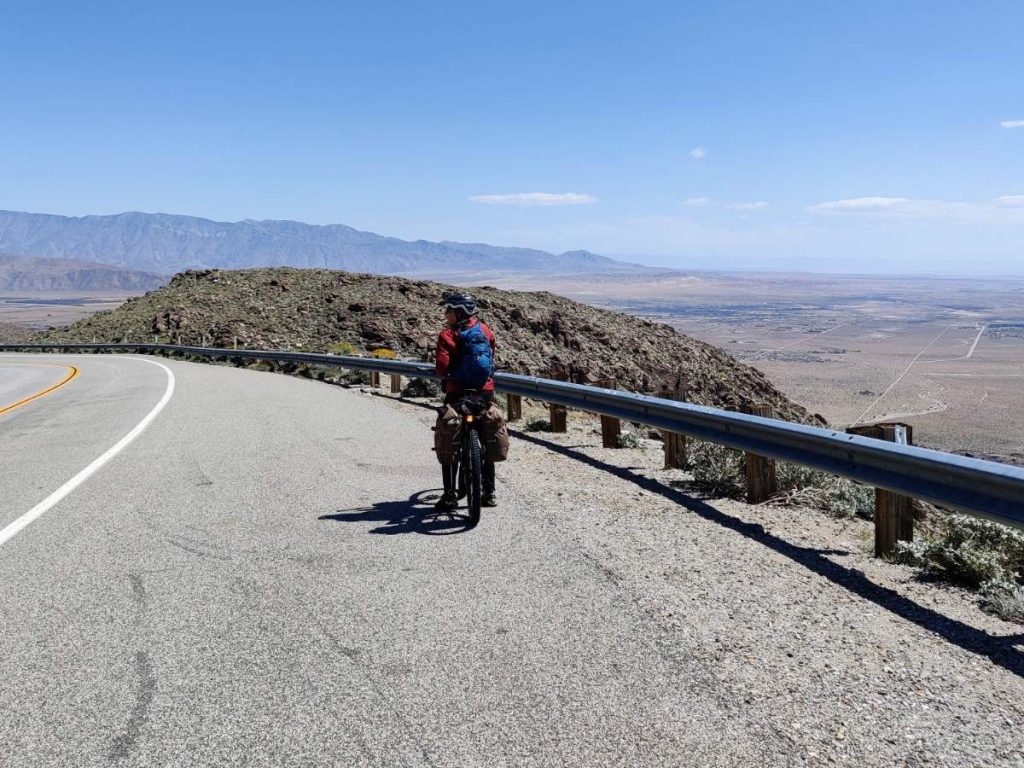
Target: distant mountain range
x,y
23,274
163,243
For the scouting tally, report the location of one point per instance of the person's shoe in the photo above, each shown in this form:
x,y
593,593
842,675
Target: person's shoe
x,y
489,500
447,502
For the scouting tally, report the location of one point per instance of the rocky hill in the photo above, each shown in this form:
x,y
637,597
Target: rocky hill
x,y
12,334
163,243
538,333
20,274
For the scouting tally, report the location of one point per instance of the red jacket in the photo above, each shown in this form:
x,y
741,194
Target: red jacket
x,y
449,352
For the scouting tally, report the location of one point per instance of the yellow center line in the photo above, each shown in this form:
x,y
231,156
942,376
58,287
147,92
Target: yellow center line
x,y
72,373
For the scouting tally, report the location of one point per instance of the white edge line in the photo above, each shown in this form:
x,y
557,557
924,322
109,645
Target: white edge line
x,y
54,498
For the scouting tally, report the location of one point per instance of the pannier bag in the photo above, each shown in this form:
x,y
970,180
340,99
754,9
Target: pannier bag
x,y
446,434
495,434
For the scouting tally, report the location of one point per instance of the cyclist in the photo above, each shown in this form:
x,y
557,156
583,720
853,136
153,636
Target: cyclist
x,y
460,314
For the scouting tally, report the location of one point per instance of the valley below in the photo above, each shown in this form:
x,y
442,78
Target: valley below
x,y
945,355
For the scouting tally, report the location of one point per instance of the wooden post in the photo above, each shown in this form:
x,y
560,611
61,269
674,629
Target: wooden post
x,y
396,384
611,427
234,343
374,378
515,407
675,443
558,415
762,483
894,514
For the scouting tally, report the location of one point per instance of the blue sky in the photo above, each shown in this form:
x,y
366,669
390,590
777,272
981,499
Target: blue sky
x,y
868,136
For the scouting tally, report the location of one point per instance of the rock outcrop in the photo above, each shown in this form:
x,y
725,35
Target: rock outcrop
x,y
538,333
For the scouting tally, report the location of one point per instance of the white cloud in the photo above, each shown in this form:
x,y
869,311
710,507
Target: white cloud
x,y
1004,209
698,202
863,205
1012,123
748,206
534,198
697,153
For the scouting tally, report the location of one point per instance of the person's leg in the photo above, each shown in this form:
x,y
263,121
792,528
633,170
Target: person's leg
x,y
449,499
449,476
489,497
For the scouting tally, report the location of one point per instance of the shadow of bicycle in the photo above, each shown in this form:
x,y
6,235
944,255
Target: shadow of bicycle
x,y
413,515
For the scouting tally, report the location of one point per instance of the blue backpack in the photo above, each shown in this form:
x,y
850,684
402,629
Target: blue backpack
x,y
477,361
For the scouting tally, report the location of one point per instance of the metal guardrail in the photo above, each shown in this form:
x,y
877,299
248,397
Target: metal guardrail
x,y
981,488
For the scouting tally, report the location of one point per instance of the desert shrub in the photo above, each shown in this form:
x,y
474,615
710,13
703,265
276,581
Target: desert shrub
x,y
1003,598
537,425
977,554
343,348
970,552
716,469
813,488
421,388
384,354
629,440
722,471
351,378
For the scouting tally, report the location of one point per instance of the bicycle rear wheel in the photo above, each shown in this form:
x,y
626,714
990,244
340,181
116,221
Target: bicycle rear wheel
x,y
474,476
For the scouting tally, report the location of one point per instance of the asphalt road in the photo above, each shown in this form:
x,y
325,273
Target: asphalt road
x,y
252,581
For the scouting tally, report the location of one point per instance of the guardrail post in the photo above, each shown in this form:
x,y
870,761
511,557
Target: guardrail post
x,y
762,483
894,513
396,384
374,378
558,415
515,407
611,427
675,443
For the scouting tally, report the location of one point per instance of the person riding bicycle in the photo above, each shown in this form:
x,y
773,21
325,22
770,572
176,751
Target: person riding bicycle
x,y
460,316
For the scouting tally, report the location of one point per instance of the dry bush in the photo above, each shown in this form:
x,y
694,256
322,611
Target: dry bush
x,y
717,470
629,440
537,425
829,493
343,348
977,554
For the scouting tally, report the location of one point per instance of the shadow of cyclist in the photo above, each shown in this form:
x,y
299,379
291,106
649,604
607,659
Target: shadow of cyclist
x,y
413,515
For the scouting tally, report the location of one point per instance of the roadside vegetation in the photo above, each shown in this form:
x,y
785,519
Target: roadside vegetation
x,y
982,556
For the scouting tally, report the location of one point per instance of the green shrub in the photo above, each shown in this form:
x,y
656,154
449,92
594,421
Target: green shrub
x,y
352,378
970,552
813,488
421,388
629,440
343,348
717,470
1003,598
537,425
384,354
721,471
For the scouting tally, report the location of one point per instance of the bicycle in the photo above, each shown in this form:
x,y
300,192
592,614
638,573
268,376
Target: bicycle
x,y
469,458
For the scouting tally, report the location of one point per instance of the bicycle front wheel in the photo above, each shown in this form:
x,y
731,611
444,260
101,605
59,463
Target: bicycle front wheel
x,y
474,476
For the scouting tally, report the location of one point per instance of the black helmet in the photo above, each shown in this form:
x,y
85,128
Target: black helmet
x,y
459,300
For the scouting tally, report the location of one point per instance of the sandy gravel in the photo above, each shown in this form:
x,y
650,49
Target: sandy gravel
x,y
848,659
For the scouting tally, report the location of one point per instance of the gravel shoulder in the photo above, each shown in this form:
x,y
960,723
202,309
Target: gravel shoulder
x,y
848,659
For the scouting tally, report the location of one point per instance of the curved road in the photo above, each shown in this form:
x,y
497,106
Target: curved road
x,y
219,593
